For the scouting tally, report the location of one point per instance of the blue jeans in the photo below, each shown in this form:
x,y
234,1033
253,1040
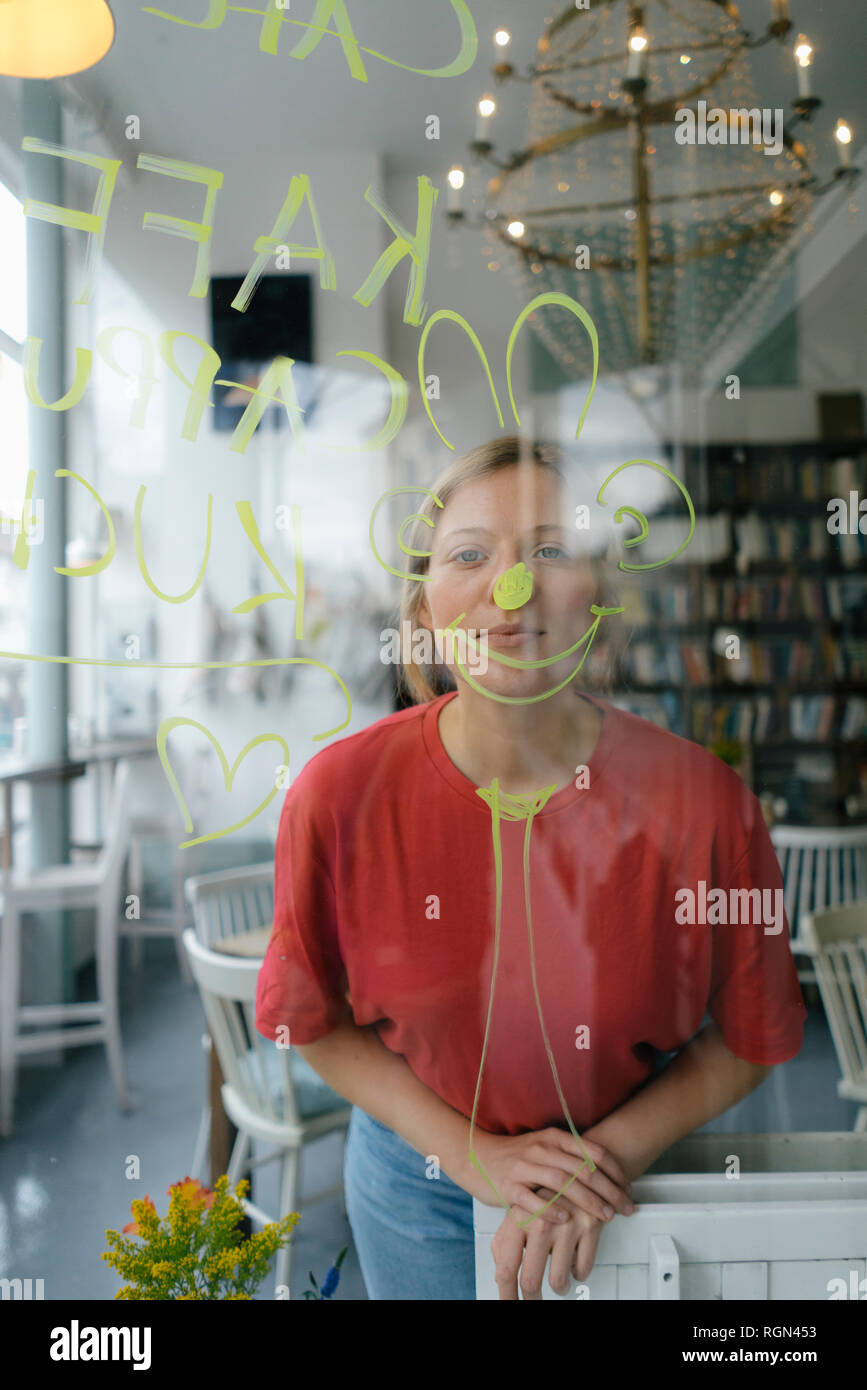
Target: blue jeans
x,y
413,1234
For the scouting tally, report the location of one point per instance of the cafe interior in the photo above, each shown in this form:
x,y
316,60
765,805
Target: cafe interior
x,y
197,566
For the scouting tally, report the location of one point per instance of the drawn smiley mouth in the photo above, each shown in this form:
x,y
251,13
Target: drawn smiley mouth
x,y
585,641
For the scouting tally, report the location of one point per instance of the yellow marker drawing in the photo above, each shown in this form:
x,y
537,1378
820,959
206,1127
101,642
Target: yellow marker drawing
x,y
516,808
199,232
196,666
273,19
163,732
514,587
93,222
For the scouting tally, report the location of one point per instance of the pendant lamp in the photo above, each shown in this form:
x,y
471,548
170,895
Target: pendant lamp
x,y
53,38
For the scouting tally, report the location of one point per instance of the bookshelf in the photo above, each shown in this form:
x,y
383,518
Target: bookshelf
x,y
754,642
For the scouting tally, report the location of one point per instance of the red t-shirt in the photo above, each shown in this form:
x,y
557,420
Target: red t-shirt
x,y
385,886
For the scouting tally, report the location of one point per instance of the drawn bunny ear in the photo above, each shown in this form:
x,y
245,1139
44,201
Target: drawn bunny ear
x,y
407,521
642,519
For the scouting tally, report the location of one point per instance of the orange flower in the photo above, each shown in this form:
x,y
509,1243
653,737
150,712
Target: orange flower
x,y
132,1228
191,1189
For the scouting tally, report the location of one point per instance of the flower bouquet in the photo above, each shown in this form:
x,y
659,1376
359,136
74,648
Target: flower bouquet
x,y
197,1250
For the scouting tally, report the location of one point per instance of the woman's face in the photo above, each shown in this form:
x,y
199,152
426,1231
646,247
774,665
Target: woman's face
x,y
487,527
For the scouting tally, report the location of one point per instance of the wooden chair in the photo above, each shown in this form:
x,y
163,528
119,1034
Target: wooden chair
x,y
822,867
228,902
270,1093
837,942
231,901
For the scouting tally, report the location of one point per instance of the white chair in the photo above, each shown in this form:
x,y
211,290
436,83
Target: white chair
x,y
837,942
231,901
270,1093
94,885
157,921
822,867
226,903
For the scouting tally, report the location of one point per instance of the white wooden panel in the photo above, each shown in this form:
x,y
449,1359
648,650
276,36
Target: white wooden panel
x,y
747,1279
808,1279
770,1235
632,1282
602,1282
699,1282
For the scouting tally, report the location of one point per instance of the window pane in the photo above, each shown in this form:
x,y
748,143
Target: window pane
x,y
13,282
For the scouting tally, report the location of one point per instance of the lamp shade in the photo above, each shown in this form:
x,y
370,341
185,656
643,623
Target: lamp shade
x,y
53,38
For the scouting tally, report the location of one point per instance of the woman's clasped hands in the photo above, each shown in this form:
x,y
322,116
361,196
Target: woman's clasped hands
x,y
528,1170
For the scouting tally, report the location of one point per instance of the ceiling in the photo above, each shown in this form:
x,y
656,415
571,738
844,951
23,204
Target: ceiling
x,y
203,94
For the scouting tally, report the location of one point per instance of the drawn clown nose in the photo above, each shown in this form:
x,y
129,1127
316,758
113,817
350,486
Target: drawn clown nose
x,y
513,587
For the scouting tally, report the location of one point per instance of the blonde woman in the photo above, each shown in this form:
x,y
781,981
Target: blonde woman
x,y
481,950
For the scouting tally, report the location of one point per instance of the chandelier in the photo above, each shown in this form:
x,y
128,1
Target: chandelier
x,y
652,188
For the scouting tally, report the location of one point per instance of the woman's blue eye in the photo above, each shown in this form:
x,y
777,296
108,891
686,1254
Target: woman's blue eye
x,y
462,554
557,548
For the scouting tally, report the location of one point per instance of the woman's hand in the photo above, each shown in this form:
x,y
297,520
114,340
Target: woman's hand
x,y
518,1164
572,1248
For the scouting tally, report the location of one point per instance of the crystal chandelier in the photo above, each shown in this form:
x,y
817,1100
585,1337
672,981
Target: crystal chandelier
x,y
652,188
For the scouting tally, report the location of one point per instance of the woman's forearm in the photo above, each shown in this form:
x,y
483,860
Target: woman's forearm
x,y
704,1080
358,1065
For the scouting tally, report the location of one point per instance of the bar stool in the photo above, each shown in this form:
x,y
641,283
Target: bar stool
x,y
95,885
157,921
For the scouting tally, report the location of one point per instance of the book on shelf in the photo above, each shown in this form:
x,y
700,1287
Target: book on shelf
x,y
780,480
777,598
760,719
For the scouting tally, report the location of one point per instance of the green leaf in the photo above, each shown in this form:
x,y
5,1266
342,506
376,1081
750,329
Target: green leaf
x,y
339,1261
312,1280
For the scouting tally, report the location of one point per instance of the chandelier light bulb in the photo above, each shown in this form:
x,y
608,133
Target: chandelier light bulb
x,y
685,58
456,181
502,38
516,229
775,197
804,57
486,108
637,53
843,136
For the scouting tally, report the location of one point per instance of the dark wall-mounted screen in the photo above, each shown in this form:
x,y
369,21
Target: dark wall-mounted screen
x,y
278,322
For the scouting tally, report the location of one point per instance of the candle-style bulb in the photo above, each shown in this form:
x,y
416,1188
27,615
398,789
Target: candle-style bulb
x,y
486,108
456,181
804,57
843,136
638,45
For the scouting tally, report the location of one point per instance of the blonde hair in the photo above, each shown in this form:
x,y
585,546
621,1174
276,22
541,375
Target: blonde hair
x,y
420,683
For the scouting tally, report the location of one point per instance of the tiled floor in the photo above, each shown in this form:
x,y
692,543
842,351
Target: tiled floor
x,y
62,1174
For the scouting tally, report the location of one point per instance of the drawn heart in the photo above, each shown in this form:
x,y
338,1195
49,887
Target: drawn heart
x,y
163,732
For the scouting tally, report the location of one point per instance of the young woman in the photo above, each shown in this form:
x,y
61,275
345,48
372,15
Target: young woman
x,y
483,951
